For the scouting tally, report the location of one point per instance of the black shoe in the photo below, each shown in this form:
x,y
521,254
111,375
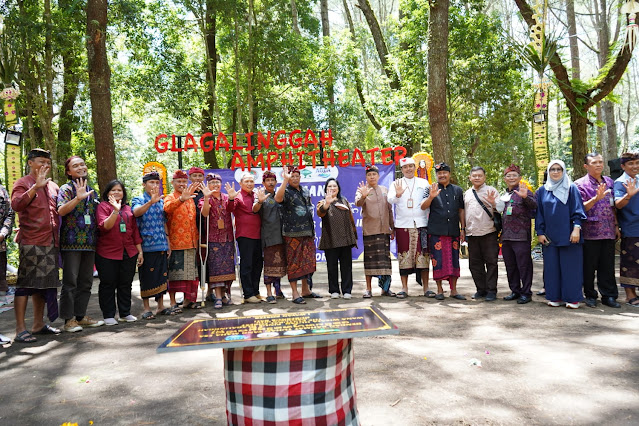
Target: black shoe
x,y
523,300
491,297
541,292
610,301
590,302
479,295
512,296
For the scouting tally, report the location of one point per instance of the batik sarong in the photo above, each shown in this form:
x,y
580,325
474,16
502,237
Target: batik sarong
x,y
221,262
38,267
300,257
410,252
444,254
154,276
628,262
274,263
377,259
183,273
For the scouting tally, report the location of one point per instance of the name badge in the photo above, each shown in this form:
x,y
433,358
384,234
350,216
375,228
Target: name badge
x,y
612,200
87,219
122,227
409,203
509,210
220,224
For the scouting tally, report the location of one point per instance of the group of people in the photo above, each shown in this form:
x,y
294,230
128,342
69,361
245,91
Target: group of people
x,y
172,240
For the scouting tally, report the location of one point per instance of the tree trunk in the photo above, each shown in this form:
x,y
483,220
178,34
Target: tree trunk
x,y
211,115
100,90
437,73
572,39
609,138
330,81
380,43
71,80
579,130
296,26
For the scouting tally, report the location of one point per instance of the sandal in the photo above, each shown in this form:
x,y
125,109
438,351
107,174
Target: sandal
x,y
226,301
439,296
458,297
300,301
165,311
312,295
25,337
631,302
148,315
388,293
176,309
210,298
193,305
47,329
218,304
401,295
367,294
429,293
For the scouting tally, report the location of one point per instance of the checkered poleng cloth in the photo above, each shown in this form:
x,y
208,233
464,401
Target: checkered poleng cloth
x,y
309,383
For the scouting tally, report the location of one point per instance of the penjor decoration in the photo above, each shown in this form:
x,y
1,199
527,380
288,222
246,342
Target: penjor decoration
x,y
540,125
631,8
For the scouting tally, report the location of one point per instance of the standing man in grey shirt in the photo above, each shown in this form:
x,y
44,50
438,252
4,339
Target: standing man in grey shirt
x,y
272,241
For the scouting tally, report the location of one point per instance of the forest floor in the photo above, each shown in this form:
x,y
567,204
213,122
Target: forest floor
x,y
539,365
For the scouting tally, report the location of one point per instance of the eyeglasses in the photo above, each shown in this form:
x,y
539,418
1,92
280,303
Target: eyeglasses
x,y
556,170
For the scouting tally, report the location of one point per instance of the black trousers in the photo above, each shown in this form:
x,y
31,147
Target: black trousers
x,y
343,256
115,276
251,263
599,257
482,261
77,280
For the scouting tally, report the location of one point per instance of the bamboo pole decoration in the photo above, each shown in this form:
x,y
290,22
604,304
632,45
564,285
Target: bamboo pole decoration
x,y
540,115
13,157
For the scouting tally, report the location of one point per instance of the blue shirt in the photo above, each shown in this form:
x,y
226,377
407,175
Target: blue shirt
x,y
151,224
627,216
555,219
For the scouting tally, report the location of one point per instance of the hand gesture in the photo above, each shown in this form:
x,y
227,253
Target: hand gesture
x,y
285,174
491,197
399,189
601,191
331,195
81,189
189,192
363,189
434,191
523,190
230,189
117,205
206,191
155,195
262,195
42,179
631,187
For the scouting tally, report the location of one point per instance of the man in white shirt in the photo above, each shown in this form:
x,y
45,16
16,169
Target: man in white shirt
x,y
407,195
481,234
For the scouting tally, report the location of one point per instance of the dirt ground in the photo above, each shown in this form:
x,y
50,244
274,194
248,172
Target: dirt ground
x,y
539,365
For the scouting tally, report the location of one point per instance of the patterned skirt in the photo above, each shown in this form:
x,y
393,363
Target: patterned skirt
x,y
275,261
444,252
300,257
38,267
410,251
153,274
629,262
221,262
182,265
377,259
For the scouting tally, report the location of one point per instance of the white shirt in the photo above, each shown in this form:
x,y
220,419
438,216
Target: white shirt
x,y
417,189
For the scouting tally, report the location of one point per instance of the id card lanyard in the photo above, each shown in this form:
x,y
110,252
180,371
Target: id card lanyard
x,y
409,202
122,222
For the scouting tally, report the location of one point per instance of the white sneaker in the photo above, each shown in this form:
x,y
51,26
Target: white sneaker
x,y
87,321
110,321
4,339
554,304
335,296
71,326
347,296
129,318
572,305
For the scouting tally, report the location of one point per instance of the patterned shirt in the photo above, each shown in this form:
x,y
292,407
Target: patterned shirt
x,y
151,224
338,227
78,227
297,213
516,225
181,222
6,217
220,209
600,219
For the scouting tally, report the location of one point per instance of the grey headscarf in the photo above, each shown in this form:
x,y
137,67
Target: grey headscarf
x,y
560,188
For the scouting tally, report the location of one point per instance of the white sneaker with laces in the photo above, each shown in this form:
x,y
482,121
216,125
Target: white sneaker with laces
x,y
87,321
554,304
110,321
347,296
335,296
572,305
72,326
129,318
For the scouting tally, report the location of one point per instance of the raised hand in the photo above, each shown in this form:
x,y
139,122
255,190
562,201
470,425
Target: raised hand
x,y
491,197
155,195
363,189
285,174
189,192
262,195
81,189
601,191
522,191
117,204
434,191
399,189
331,195
42,179
631,187
206,191
230,189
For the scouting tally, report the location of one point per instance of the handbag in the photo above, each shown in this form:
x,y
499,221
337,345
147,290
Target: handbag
x,y
495,217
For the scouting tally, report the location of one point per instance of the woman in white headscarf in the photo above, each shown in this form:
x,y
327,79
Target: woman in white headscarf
x,y
560,211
